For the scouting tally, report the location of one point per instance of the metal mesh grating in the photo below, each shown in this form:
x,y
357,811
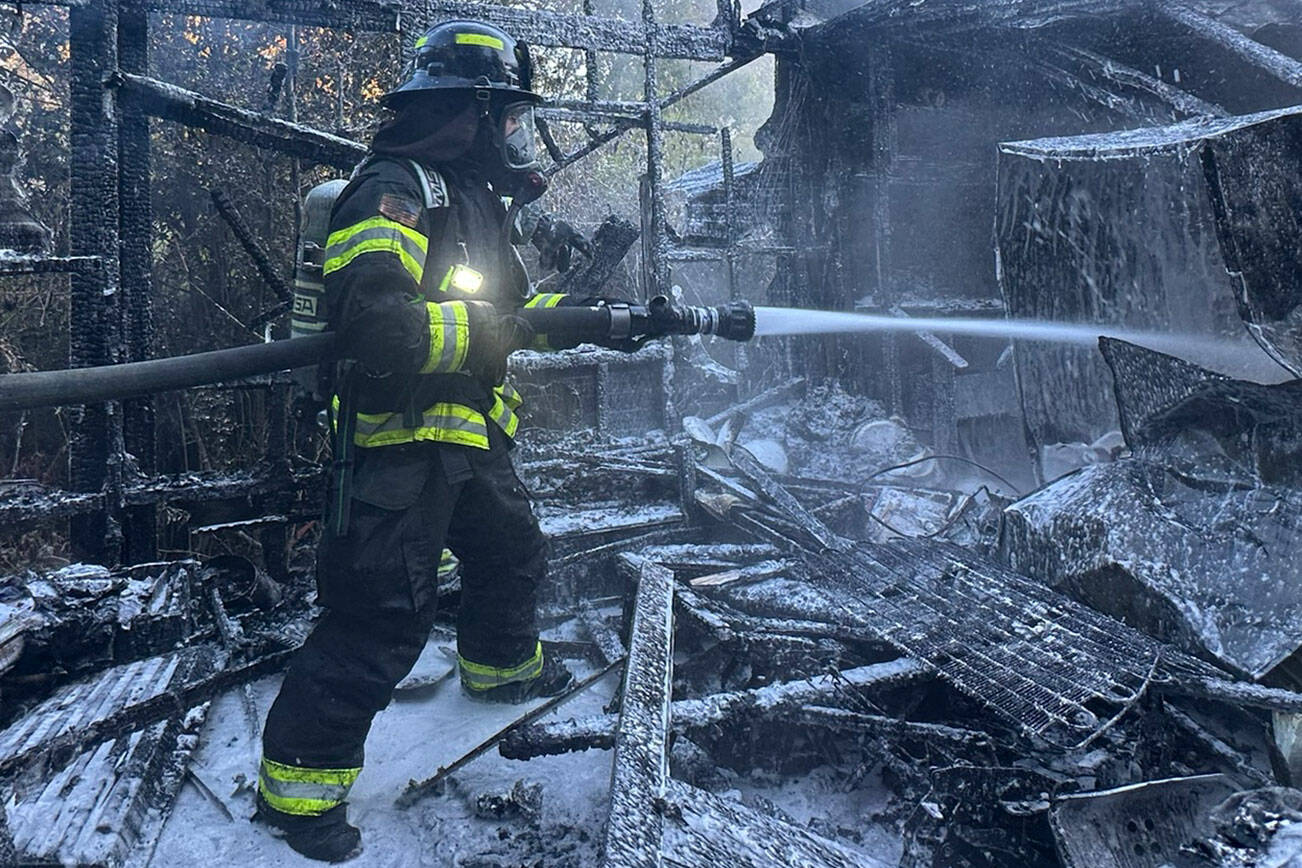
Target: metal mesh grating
x,y
1037,657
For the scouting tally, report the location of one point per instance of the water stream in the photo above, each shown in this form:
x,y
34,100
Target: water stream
x,y
1239,358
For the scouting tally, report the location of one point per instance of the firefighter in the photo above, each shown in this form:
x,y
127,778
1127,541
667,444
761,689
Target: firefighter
x,y
421,284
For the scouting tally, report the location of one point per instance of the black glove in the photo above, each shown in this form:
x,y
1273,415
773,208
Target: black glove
x,y
556,240
493,337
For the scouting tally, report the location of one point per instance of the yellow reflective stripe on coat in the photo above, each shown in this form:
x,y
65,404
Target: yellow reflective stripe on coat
x,y
477,676
545,299
510,396
442,423
503,414
303,792
376,235
449,337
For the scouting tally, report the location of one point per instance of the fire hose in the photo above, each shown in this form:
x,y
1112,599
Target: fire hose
x,y
616,322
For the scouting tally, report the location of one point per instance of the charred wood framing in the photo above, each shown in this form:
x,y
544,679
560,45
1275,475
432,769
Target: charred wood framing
x,y
136,235
610,244
150,691
261,261
95,318
704,829
544,27
641,770
687,714
173,103
1132,79
1265,58
381,16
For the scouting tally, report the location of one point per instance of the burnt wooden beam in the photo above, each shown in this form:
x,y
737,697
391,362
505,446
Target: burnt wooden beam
x,y
81,715
610,244
382,16
1263,57
256,252
1119,74
641,768
560,29
94,320
704,829
881,725
1242,694
609,645
688,714
955,13
786,501
169,102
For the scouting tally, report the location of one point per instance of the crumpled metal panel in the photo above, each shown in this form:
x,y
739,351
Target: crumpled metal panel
x,y
1137,826
1206,424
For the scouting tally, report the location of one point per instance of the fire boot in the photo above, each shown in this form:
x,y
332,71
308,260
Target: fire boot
x,y
327,837
553,679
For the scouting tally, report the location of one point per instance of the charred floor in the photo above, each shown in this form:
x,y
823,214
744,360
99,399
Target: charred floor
x,y
879,599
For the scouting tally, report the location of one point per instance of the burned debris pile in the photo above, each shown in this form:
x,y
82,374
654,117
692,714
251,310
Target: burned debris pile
x,y
1020,712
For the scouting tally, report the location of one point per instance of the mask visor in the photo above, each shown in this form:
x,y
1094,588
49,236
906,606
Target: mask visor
x,y
519,137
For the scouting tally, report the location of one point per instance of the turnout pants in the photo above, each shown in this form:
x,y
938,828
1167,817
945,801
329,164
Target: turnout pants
x,y
378,583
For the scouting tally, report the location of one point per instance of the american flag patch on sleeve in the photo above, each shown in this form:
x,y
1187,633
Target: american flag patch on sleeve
x,y
400,209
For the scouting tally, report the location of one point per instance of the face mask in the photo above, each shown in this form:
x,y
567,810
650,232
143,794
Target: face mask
x,y
517,137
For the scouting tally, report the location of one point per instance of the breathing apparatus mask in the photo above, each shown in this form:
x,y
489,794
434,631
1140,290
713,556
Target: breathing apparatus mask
x,y
508,148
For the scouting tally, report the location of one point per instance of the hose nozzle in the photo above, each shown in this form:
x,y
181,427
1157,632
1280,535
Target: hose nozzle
x,y
734,321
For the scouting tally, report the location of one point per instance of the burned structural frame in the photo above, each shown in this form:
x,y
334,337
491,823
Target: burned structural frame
x,y
112,516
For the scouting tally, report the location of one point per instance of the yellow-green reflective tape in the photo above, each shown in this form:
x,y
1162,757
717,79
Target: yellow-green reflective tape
x,y
420,43
509,395
304,791
442,423
545,299
449,337
477,676
376,235
504,416
480,39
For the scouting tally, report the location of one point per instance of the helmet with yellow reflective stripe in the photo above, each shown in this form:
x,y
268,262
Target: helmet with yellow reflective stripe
x,y
468,55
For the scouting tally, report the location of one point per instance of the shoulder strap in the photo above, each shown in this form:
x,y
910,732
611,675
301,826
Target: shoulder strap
x,y
432,185
434,190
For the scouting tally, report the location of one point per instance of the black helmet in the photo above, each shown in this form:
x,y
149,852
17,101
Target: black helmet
x,y
468,55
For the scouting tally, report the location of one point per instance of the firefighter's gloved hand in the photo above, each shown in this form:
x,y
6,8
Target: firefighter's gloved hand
x,y
556,240
493,337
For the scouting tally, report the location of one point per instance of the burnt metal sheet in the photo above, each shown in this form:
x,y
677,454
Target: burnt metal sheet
x,y
641,772
1136,826
1103,228
1203,424
1253,173
1194,539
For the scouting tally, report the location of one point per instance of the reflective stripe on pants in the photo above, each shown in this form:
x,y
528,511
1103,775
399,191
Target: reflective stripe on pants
x,y
477,676
303,792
